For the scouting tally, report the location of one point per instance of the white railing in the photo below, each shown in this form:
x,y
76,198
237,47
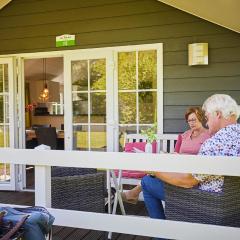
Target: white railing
x,y
43,159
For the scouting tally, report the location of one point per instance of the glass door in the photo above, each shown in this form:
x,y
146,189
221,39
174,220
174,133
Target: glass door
x,y
7,123
139,90
110,92
89,105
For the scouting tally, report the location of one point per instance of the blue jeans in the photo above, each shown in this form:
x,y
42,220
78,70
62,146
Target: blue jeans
x,y
153,192
36,226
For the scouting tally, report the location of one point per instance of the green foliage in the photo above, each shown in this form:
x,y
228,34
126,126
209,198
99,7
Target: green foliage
x,y
150,133
129,67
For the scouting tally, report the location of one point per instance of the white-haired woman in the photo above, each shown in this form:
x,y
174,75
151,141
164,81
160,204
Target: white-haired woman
x,y
221,113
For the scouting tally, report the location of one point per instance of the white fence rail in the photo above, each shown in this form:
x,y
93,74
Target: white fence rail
x,y
112,160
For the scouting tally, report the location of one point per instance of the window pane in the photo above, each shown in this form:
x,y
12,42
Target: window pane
x,y
6,103
122,131
4,173
5,69
147,107
1,110
80,107
147,69
79,75
80,138
4,136
127,108
1,77
98,138
98,74
98,108
127,70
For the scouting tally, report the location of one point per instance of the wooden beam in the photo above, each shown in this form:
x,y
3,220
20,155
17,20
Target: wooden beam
x,y
3,3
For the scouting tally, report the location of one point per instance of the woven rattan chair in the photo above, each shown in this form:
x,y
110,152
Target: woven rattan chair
x,y
78,189
193,205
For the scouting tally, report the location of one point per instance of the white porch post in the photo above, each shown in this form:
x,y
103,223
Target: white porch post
x,y
43,186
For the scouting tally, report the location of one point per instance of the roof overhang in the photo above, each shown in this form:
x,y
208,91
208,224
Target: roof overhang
x,y
221,12
3,3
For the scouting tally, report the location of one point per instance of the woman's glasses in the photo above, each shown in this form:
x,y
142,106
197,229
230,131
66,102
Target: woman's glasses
x,y
192,120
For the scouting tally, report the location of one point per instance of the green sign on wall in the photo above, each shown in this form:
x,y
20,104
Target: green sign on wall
x,y
65,40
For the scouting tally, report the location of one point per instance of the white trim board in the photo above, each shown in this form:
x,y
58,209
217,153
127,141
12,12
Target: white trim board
x,y
220,165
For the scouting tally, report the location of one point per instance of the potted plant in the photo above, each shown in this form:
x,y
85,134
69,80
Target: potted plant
x,y
151,135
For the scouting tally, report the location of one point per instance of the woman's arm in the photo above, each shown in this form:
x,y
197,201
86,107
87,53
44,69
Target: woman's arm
x,y
185,180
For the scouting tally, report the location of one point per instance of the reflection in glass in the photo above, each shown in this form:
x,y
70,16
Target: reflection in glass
x,y
4,173
4,142
80,138
147,107
1,77
79,75
98,138
127,70
98,74
80,107
1,110
4,120
98,108
147,69
5,74
4,109
4,136
122,131
127,108
6,103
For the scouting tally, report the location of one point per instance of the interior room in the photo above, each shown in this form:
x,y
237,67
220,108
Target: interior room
x,y
44,94
44,109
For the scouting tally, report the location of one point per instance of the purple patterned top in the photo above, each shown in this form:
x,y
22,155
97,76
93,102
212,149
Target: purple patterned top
x,y
226,142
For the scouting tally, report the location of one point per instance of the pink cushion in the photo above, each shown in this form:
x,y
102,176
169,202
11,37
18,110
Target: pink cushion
x,y
139,145
131,174
129,148
178,143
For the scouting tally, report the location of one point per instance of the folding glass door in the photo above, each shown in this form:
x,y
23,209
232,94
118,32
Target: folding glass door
x,y
7,123
109,92
88,103
139,89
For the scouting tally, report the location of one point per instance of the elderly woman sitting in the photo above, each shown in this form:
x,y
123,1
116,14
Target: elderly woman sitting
x,y
188,143
221,113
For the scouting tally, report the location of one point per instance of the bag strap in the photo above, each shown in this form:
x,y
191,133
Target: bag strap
x,y
2,213
14,230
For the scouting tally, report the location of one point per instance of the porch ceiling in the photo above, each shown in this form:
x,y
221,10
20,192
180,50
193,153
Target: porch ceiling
x,y
3,3
221,12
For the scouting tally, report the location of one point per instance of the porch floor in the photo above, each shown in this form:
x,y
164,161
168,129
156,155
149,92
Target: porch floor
x,y
66,233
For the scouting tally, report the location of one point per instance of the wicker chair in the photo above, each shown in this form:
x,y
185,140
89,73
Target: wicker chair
x,y
78,189
193,205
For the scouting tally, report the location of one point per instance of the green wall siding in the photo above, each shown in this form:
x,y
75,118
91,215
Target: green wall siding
x,y
32,25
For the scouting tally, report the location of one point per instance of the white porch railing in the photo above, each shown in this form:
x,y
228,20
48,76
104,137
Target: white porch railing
x,y
113,160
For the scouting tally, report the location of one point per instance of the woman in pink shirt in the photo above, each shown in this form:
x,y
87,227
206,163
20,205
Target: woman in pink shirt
x,y
188,143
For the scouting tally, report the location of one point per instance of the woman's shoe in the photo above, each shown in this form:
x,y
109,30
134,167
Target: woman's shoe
x,y
131,201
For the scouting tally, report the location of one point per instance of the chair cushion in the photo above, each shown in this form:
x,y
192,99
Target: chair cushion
x,y
131,174
178,143
129,148
139,145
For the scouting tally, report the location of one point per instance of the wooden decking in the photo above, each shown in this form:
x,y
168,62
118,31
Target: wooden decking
x,y
64,233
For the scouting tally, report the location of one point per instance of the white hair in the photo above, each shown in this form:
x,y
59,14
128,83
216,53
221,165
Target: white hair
x,y
222,103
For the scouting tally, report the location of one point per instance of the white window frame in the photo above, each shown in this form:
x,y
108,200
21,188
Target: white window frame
x,y
112,105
